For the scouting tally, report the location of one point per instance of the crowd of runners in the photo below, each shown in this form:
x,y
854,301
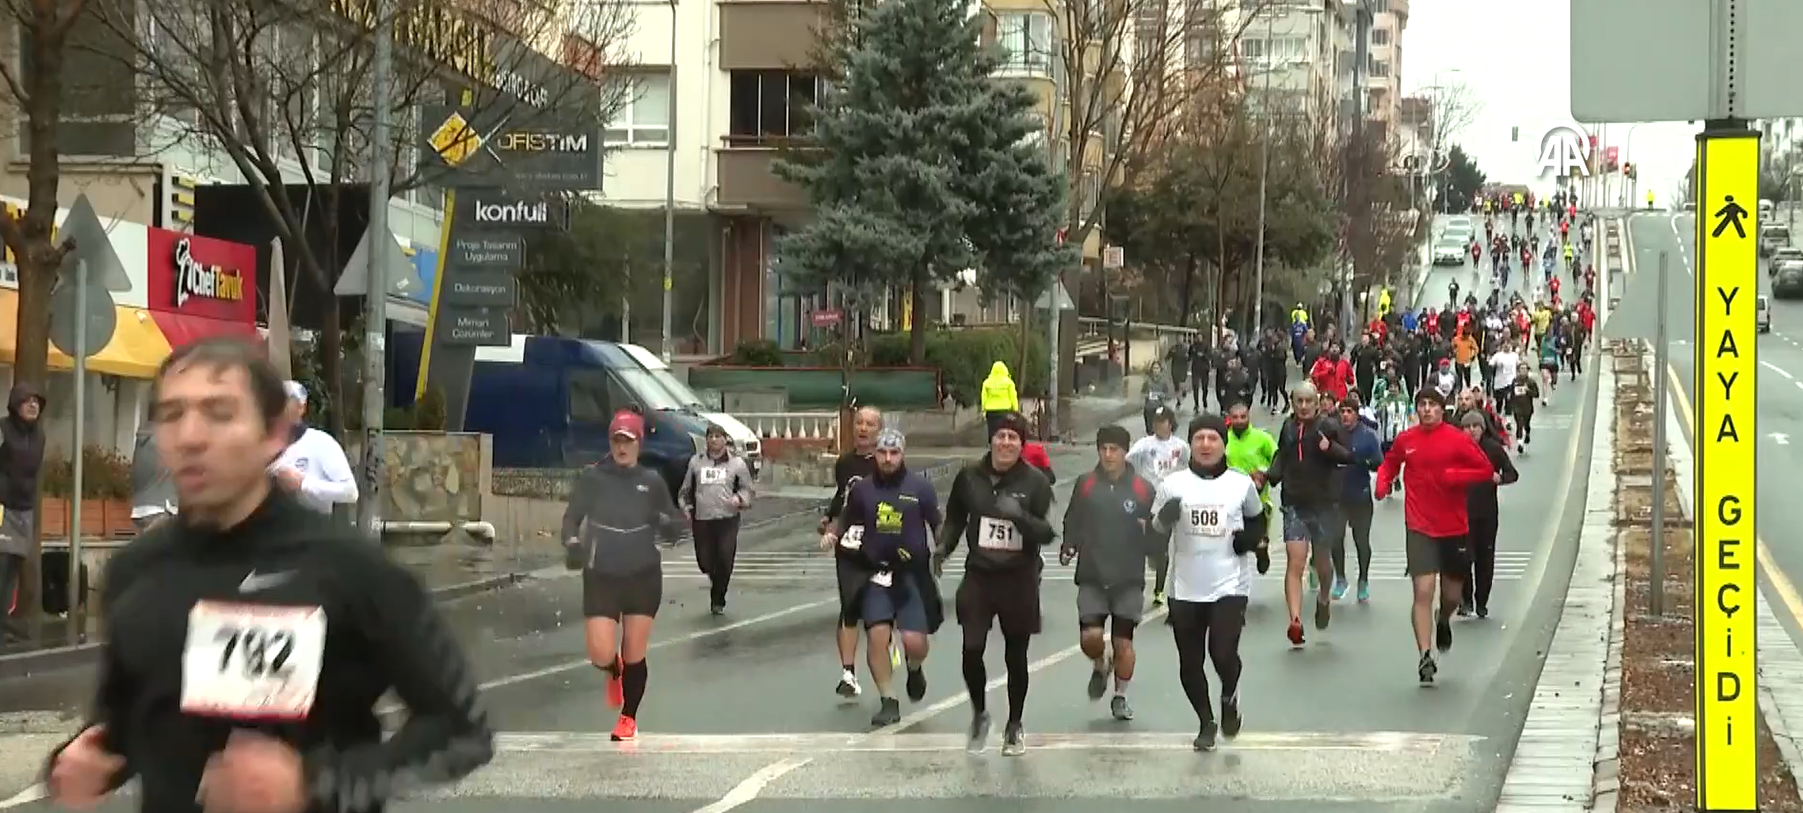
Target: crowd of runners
x,y
299,626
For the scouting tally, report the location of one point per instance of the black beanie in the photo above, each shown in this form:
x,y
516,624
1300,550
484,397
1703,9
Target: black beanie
x,y
1209,421
1115,434
1014,422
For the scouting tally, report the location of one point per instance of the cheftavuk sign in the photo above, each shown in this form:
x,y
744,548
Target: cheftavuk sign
x,y
201,276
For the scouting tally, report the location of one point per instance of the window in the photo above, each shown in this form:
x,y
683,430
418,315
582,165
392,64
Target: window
x,y
1380,37
289,60
644,115
1380,69
594,396
1026,40
771,104
99,87
1275,52
1092,192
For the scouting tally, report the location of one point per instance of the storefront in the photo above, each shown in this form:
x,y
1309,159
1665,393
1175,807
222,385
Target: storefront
x,y
199,287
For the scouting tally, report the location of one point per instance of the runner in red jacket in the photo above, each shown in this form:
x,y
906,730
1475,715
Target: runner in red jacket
x,y
1332,373
1437,463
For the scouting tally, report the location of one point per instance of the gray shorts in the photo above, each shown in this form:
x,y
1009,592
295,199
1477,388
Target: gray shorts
x,y
899,605
1430,555
1313,524
1122,602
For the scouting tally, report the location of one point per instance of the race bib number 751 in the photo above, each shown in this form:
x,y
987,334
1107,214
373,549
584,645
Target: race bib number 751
x,y
252,661
997,534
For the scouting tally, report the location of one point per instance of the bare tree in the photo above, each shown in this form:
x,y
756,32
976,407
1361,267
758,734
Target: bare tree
x,y
39,88
1452,108
283,91
1126,70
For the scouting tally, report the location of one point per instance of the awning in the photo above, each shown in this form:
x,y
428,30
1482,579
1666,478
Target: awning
x,y
135,351
181,329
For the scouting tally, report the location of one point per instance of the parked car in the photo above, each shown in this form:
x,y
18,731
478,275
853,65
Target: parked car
x,y
1787,283
1772,238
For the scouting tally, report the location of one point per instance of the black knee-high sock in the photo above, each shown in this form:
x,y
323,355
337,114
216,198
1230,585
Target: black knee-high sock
x,y
1015,656
633,679
975,677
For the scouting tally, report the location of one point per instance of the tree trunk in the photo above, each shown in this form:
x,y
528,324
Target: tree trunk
x,y
917,329
330,347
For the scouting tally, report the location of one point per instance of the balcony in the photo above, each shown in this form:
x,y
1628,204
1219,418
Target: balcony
x,y
768,34
744,179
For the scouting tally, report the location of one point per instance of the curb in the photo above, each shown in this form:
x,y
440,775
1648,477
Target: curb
x,y
1563,740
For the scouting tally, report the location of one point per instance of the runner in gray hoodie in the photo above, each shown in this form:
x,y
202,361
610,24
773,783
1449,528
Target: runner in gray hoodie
x,y
714,492
618,513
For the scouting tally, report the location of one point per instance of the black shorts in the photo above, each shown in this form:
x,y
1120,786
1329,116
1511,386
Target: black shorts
x,y
1009,598
607,595
1428,555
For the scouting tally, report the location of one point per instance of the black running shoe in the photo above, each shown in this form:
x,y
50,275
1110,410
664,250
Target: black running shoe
x,y
887,714
917,685
1205,741
1443,634
1098,683
1323,614
1230,717
1427,669
1264,560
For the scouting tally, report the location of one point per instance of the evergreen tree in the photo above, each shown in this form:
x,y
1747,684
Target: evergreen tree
x,y
918,166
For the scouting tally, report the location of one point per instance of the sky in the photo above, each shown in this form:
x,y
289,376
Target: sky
x,y
1457,42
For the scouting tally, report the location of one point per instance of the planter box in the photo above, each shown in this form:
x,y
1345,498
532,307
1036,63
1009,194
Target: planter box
x,y
99,518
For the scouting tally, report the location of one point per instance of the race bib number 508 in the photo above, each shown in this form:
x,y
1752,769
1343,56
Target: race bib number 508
x,y
252,661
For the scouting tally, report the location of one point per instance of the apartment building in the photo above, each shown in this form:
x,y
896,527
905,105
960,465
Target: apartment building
x,y
1383,79
1298,58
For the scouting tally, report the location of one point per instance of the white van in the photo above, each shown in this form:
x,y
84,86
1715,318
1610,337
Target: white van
x,y
744,441
1762,314
1766,210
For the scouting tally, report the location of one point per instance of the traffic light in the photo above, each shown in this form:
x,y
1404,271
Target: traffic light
x,y
1629,171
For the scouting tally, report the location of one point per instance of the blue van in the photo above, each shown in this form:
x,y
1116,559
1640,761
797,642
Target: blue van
x,y
547,401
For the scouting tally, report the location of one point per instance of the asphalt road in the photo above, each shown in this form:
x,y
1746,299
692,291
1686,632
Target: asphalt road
x,y
1780,396
741,714
1474,279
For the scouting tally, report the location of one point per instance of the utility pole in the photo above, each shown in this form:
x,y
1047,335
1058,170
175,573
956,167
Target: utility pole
x,y
670,191
375,296
1264,170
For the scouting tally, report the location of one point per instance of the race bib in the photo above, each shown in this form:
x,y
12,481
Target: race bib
x,y
712,476
997,534
883,579
853,538
1207,520
252,661
1169,464
1521,390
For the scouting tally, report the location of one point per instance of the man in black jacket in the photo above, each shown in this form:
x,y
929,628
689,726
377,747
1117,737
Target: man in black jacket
x,y
1310,451
21,455
250,638
998,505
1481,505
1105,531
852,466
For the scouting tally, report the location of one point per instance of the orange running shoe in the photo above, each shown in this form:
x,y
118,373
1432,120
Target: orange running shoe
x,y
626,730
616,688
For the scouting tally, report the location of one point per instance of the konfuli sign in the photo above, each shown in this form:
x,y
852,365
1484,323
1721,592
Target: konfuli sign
x,y
485,210
467,147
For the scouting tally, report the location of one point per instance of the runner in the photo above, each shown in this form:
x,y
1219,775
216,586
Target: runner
x,y
313,465
1155,457
1309,450
1482,507
899,512
1438,463
1250,451
1105,530
998,505
1521,407
1355,506
713,494
618,513
1215,517
243,561
851,467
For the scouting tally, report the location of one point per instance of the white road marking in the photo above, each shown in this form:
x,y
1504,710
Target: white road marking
x,y
1779,438
34,793
1776,369
583,742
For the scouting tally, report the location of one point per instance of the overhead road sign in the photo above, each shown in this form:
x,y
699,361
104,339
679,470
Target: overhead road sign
x,y
1669,60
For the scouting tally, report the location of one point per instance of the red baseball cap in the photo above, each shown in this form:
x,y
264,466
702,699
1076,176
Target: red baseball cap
x,y
627,423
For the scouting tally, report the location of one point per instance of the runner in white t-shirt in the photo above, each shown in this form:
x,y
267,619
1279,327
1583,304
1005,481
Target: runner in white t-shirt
x,y
1502,373
1216,521
1155,457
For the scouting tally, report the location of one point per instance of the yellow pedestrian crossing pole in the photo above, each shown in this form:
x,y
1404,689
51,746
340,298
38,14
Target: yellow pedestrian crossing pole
x,y
1726,430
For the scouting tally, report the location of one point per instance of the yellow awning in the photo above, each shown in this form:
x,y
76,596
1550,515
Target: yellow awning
x,y
135,351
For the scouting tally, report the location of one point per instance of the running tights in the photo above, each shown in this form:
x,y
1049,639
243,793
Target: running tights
x,y
1204,630
1483,558
633,678
1524,426
976,675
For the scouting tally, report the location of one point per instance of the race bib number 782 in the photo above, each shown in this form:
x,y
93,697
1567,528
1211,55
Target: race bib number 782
x,y
252,661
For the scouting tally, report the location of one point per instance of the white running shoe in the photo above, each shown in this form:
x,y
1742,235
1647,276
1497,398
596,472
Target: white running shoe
x,y
848,684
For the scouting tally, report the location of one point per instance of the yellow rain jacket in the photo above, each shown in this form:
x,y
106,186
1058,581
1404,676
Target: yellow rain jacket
x,y
998,390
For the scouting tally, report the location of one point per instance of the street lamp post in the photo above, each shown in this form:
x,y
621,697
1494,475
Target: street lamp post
x,y
1264,169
